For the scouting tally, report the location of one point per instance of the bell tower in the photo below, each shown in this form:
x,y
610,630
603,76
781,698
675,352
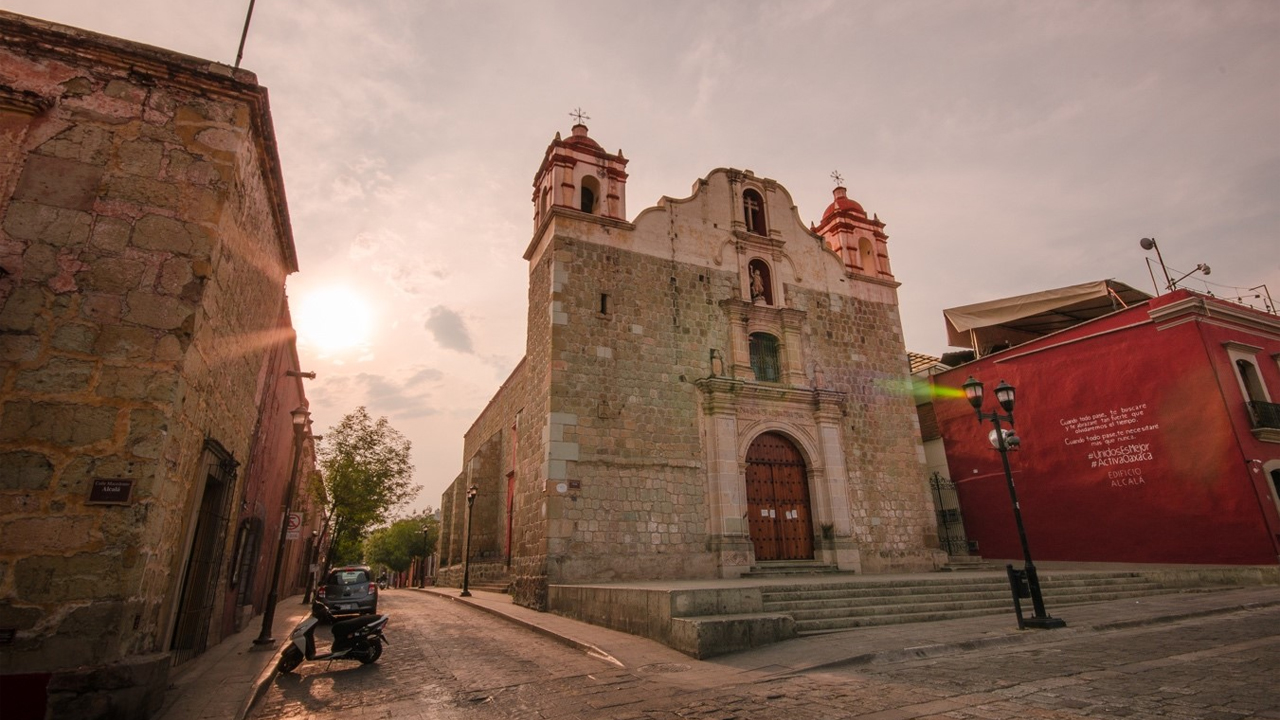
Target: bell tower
x,y
859,241
577,174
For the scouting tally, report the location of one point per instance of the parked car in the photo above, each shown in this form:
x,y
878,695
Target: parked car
x,y
348,590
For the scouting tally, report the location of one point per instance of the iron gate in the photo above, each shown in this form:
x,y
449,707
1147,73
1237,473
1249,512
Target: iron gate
x,y
950,525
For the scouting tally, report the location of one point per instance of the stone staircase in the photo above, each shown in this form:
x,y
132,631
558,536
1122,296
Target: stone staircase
x,y
831,607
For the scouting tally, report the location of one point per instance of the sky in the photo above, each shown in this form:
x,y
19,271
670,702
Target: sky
x,y
1009,147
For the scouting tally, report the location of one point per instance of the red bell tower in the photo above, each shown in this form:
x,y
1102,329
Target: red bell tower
x,y
859,241
576,173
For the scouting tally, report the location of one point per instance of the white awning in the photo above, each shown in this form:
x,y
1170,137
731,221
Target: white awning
x,y
1018,319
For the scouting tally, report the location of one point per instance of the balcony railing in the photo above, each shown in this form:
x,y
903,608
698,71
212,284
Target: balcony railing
x,y
1264,414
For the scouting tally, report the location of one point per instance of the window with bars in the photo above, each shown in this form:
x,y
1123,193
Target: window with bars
x,y
764,357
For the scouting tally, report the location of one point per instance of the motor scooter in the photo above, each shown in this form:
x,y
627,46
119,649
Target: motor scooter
x,y
359,638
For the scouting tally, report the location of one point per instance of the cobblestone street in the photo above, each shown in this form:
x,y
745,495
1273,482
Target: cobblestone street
x,y
449,661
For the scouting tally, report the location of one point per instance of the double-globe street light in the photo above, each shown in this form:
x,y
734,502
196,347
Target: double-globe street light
x,y
1003,441
466,545
300,416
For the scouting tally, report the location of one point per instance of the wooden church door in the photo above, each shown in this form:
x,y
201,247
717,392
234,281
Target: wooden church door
x,y
778,500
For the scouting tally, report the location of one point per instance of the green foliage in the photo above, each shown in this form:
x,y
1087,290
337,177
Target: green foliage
x,y
365,474
398,544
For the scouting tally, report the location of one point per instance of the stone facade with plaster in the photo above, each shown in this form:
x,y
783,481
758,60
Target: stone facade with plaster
x,y
667,358
144,245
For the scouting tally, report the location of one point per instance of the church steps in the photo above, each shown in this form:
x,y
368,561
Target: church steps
x,y
952,585
832,607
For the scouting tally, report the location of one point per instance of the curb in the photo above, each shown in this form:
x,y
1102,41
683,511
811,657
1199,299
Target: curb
x,y
585,647
261,683
940,649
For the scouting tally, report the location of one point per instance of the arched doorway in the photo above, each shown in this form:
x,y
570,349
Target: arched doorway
x,y
778,500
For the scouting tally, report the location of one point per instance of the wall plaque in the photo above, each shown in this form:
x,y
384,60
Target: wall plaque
x,y
111,491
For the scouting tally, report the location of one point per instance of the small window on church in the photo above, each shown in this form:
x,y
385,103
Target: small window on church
x,y
764,357
753,212
587,197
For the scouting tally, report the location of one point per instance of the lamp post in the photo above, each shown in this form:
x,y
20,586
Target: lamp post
x,y
269,613
466,545
1003,442
422,566
311,560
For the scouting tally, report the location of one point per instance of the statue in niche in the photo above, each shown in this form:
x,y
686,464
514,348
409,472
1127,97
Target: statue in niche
x,y
757,285
819,378
717,363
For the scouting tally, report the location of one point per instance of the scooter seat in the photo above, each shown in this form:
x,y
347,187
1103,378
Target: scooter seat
x,y
345,628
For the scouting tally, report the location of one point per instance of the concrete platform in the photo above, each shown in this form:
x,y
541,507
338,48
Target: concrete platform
x,y
706,618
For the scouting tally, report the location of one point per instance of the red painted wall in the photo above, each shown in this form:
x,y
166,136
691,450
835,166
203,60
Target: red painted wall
x,y
1129,451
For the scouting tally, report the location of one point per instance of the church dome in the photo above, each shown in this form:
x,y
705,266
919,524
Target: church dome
x,y
580,138
843,203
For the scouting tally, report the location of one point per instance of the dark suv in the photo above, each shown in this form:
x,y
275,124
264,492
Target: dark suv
x,y
349,591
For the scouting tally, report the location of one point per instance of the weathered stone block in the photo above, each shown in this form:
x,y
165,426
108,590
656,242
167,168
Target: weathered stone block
x,y
48,224
141,157
83,142
143,191
112,275
58,375
124,342
147,431
43,578
157,232
18,348
175,275
21,309
65,424
49,534
39,263
23,470
110,234
101,307
157,311
21,618
59,182
75,338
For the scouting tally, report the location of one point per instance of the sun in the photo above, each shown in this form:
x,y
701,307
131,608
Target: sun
x,y
333,320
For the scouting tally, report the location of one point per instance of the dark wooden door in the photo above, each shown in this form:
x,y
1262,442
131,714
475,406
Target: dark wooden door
x,y
778,500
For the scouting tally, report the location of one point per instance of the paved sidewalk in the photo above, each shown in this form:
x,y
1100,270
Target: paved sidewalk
x,y
888,643
222,682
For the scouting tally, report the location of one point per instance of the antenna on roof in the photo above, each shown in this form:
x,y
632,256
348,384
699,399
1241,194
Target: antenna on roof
x,y
244,33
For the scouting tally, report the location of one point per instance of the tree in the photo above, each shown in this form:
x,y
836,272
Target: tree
x,y
400,543
366,473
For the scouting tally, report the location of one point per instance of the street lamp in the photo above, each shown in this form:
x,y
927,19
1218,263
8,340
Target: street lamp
x,y
1025,582
269,613
466,545
422,566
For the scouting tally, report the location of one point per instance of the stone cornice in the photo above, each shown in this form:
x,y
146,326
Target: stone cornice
x,y
722,395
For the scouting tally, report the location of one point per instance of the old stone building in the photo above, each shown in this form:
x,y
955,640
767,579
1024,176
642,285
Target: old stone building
x,y
706,388
147,366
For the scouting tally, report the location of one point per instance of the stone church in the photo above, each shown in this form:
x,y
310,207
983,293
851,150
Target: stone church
x,y
708,388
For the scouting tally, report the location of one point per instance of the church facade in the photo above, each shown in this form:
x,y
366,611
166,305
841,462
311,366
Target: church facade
x,y
708,388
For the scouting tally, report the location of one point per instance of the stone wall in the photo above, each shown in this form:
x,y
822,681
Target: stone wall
x,y
144,243
629,500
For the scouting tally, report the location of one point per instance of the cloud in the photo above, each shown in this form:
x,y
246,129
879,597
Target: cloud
x,y
448,329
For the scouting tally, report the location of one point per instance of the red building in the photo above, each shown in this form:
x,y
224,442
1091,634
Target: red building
x,y
1149,430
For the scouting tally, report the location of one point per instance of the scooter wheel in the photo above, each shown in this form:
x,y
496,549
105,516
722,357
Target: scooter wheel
x,y
289,659
372,653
